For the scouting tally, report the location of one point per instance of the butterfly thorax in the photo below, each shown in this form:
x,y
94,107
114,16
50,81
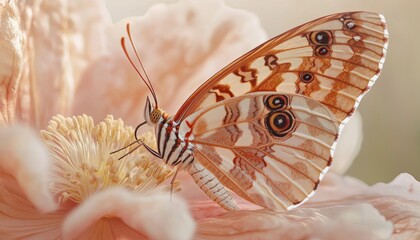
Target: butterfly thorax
x,y
173,145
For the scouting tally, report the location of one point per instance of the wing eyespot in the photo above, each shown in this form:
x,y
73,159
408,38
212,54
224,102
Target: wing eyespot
x,y
306,77
276,102
322,51
321,38
280,123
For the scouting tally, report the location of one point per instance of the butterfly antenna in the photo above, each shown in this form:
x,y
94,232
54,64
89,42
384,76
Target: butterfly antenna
x,y
134,149
129,145
141,63
137,70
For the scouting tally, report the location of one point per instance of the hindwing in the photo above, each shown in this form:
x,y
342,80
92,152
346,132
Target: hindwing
x,y
269,148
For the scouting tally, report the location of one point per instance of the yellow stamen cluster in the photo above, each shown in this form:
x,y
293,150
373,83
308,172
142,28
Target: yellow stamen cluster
x,y
83,163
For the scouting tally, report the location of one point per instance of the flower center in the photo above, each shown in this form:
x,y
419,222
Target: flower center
x,y
83,164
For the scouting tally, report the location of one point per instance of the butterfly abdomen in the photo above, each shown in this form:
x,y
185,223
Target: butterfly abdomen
x,y
173,146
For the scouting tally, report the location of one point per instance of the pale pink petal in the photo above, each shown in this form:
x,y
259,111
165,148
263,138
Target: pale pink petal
x,y
398,201
60,38
335,187
10,60
341,207
348,145
362,221
154,216
24,157
24,195
404,214
404,186
181,45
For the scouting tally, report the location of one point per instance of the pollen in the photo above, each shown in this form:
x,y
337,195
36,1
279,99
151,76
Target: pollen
x,y
83,164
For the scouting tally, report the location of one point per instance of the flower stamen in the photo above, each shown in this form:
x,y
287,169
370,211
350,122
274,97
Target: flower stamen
x,y
83,164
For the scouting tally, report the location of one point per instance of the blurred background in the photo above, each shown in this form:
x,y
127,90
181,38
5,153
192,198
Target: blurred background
x,y
391,111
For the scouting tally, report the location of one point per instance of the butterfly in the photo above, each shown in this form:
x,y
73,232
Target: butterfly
x,y
265,126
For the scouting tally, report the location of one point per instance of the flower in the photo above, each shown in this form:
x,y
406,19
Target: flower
x,y
97,195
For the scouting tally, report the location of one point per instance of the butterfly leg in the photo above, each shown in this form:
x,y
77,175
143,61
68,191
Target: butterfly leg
x,y
173,180
211,186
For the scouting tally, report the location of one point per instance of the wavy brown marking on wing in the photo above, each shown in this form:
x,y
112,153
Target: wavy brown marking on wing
x,y
220,89
259,135
232,113
254,109
247,75
233,132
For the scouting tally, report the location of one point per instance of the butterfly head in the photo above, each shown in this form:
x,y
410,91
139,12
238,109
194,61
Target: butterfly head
x,y
152,114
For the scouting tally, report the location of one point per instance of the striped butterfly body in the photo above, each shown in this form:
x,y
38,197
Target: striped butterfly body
x,y
265,126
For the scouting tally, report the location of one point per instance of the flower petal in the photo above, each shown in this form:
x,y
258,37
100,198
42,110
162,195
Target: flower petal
x,y
25,158
181,45
11,60
60,38
398,201
146,214
362,221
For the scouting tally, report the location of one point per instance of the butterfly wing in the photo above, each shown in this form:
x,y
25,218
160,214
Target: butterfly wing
x,y
334,60
269,148
275,157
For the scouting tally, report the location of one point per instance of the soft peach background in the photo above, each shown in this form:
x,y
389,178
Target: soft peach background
x,y
391,111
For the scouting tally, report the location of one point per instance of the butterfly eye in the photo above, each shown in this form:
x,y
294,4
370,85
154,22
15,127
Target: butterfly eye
x,y
321,38
306,77
280,123
276,102
322,51
155,115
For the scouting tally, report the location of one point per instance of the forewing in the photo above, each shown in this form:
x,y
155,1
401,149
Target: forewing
x,y
334,60
269,148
